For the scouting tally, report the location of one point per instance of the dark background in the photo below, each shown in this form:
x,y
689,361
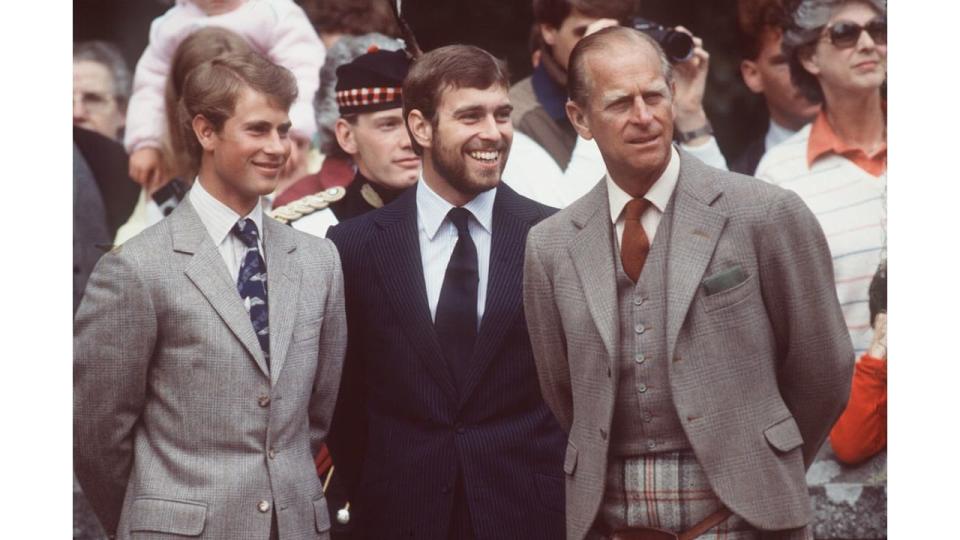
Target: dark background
x,y
501,27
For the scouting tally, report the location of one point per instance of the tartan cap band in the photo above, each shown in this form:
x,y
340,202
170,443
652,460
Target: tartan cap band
x,y
358,100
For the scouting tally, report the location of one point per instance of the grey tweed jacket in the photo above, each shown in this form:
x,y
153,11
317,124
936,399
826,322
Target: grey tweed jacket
x,y
179,426
759,370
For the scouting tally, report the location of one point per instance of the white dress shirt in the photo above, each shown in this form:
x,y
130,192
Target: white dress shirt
x,y
219,219
659,195
776,134
438,236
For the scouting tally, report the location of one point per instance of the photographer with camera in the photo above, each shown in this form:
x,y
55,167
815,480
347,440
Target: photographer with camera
x,y
539,100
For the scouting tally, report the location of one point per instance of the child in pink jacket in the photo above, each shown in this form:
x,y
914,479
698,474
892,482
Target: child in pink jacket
x,y
278,29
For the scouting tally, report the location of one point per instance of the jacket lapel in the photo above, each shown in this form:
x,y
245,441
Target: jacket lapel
x,y
283,282
503,304
208,272
592,255
696,229
396,257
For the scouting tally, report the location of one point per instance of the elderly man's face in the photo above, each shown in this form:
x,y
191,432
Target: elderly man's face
x,y
629,112
95,105
849,70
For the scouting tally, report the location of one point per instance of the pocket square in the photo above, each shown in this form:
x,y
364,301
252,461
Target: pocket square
x,y
723,280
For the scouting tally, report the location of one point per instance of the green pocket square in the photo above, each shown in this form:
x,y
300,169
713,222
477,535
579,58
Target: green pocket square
x,y
723,280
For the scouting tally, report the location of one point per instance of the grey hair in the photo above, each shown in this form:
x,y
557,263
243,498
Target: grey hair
x,y
326,111
107,54
578,78
801,35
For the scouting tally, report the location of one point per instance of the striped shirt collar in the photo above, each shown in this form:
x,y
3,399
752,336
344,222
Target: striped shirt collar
x,y
432,208
219,218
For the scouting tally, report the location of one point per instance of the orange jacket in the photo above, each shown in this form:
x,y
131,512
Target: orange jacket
x,y
861,431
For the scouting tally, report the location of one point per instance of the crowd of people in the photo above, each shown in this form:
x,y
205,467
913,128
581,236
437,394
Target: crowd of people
x,y
326,283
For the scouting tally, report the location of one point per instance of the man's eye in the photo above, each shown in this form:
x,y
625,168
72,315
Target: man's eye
x,y
94,98
652,99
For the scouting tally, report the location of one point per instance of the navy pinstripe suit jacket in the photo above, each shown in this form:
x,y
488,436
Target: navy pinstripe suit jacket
x,y
402,433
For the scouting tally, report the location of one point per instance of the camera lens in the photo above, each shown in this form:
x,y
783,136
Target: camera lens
x,y
678,46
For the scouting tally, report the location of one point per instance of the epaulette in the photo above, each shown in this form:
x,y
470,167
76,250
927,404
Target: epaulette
x,y
305,206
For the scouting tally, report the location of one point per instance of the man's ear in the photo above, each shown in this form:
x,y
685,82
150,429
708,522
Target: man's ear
x,y
751,76
548,33
809,62
420,128
578,119
205,132
345,136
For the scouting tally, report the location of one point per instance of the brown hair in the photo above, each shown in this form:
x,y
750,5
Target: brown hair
x,y
578,80
755,18
352,17
199,47
453,67
212,89
554,12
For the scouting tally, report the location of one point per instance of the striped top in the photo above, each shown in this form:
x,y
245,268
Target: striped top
x,y
850,205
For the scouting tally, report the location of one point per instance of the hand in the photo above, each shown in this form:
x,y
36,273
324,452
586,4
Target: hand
x,y
691,82
146,169
878,347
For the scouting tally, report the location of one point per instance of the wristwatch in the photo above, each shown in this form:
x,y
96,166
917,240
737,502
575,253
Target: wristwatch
x,y
687,136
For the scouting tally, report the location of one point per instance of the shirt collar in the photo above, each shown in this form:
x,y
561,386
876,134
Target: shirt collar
x,y
659,193
432,208
551,95
219,218
824,140
776,134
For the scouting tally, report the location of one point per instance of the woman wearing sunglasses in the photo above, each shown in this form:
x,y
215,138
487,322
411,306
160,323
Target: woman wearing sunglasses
x,y
837,52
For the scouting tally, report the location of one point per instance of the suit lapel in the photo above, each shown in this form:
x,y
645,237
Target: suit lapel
x,y
209,273
396,257
697,226
592,255
283,282
504,287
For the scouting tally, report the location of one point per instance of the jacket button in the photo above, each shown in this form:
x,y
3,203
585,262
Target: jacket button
x,y
263,401
272,453
263,506
651,445
603,434
640,358
640,328
638,301
641,388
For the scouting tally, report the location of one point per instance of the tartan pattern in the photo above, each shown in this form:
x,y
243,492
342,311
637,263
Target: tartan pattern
x,y
356,97
667,490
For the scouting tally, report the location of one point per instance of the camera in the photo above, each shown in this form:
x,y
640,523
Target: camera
x,y
677,45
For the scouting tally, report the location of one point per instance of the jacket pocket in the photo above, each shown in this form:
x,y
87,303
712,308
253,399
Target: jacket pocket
x,y
727,297
570,459
784,435
321,514
167,516
307,331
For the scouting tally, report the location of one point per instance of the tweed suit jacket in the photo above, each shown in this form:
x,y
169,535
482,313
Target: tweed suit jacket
x,y
758,370
180,429
402,432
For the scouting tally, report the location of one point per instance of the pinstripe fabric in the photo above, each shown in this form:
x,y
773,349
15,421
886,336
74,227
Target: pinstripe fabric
x,y
850,205
175,412
402,435
758,372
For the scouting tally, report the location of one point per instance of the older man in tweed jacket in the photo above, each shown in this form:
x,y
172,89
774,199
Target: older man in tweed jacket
x,y
683,322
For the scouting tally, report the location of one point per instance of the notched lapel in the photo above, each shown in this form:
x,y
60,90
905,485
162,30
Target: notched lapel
x,y
396,255
209,273
283,282
696,228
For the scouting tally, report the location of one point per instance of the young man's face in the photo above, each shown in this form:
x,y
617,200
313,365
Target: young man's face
x,y
243,160
471,138
379,144
769,74
95,105
562,40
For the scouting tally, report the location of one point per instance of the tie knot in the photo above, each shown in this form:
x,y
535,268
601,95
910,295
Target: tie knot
x,y
246,231
635,208
459,217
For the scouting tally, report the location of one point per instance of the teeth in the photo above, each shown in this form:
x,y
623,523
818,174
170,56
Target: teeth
x,y
485,156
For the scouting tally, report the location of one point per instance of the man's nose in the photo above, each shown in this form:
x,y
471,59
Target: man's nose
x,y
277,144
79,110
640,113
865,41
490,129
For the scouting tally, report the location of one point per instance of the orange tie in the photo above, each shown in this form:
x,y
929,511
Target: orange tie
x,y
635,244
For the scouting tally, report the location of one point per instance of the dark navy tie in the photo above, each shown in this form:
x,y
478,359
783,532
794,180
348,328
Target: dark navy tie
x,y
252,282
456,320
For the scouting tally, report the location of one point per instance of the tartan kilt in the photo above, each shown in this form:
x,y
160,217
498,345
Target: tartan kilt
x,y
669,490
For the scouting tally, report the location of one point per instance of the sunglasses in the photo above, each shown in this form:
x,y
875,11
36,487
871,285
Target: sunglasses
x,y
845,34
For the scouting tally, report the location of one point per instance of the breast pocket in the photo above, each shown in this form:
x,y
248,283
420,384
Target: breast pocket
x,y
728,296
309,331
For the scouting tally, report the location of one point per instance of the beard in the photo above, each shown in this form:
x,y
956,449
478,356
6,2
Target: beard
x,y
451,163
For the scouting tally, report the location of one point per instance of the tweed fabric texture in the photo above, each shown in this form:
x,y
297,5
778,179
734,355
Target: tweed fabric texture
x,y
179,426
758,371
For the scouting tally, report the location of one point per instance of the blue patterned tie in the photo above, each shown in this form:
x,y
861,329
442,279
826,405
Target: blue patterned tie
x,y
252,282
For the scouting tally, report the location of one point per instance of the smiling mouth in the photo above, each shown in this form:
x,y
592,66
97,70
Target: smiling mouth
x,y
272,168
408,163
485,156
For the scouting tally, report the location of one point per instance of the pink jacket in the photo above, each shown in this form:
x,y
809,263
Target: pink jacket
x,y
279,29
